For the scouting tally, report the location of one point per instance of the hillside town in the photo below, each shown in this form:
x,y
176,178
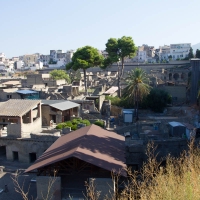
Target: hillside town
x,y
73,130
99,100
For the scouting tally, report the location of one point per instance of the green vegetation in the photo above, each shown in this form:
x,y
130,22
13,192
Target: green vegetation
x,y
137,87
99,123
191,54
118,50
156,100
60,74
73,124
197,53
84,58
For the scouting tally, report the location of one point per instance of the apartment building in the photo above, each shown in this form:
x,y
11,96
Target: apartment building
x,y
30,59
179,51
164,52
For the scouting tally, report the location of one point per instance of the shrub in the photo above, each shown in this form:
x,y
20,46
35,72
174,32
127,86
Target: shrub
x,y
86,122
68,123
99,123
73,124
74,127
59,126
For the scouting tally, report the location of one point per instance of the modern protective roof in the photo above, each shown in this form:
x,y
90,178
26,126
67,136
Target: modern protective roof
x,y
91,144
175,124
26,92
111,90
17,107
60,104
11,83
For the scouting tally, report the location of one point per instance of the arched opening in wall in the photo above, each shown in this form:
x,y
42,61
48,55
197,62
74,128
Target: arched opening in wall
x,y
170,76
183,76
176,76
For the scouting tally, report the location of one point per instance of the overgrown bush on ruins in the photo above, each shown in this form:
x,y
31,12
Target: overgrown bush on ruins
x,y
73,124
99,123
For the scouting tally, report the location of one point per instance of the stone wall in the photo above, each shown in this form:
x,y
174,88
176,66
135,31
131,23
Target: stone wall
x,y
3,95
136,152
34,127
34,79
178,93
14,130
24,147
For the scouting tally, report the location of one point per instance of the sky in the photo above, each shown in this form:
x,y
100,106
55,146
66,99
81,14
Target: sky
x,y
38,26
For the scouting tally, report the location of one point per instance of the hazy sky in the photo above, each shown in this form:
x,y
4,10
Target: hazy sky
x,y
30,26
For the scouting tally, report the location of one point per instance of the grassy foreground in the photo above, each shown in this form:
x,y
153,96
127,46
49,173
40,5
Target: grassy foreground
x,y
178,180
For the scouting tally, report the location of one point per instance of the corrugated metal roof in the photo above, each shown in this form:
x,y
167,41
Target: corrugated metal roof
x,y
175,124
17,107
91,144
111,90
26,92
60,104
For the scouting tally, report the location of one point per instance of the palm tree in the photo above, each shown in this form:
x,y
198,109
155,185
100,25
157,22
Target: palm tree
x,y
137,87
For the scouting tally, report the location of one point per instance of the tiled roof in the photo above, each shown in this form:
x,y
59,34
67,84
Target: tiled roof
x,y
17,107
91,144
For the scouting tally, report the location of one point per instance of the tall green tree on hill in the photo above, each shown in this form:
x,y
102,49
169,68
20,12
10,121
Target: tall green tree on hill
x,y
118,50
84,58
191,54
137,87
197,53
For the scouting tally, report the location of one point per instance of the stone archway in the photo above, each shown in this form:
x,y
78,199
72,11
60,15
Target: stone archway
x,y
183,76
176,76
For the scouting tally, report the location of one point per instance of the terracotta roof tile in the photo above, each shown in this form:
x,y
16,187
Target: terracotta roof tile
x,y
17,107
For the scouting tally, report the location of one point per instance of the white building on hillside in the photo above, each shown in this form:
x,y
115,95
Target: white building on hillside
x,y
164,52
2,57
179,51
18,65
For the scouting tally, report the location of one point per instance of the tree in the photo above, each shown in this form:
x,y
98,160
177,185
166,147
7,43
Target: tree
x,y
74,75
137,87
197,53
191,55
84,58
57,74
157,100
118,50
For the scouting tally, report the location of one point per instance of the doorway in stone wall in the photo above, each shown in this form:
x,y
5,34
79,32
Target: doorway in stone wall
x,y
2,152
15,156
32,157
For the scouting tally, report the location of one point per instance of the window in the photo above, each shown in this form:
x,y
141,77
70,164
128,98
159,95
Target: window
x,y
32,157
15,156
9,96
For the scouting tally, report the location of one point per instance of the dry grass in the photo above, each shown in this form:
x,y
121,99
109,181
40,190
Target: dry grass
x,y
179,179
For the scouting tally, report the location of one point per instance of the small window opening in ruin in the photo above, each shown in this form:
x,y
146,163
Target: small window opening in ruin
x,y
2,151
32,157
15,156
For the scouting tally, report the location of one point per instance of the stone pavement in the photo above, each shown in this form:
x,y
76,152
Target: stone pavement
x,y
10,168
